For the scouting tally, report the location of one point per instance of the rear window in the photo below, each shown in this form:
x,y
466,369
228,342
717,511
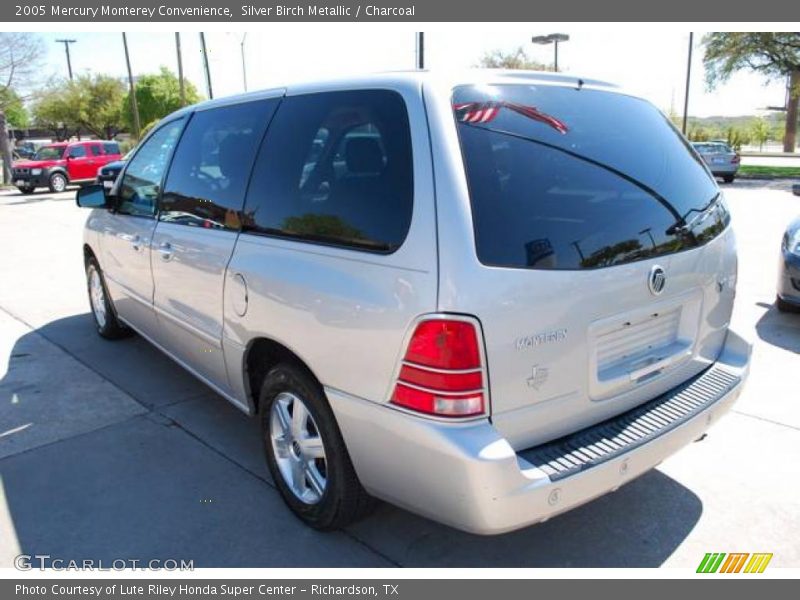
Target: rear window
x,y
574,178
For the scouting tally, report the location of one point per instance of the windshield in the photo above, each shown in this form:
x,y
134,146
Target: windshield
x,y
572,178
49,153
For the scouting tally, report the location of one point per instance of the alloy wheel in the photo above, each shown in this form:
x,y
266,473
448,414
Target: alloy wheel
x,y
298,448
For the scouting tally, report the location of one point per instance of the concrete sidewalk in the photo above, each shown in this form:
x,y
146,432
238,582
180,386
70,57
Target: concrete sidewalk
x,y
109,450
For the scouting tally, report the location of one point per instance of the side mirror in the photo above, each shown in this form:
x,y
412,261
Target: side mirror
x,y
796,189
92,196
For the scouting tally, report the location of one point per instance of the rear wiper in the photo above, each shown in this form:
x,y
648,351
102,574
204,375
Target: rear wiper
x,y
681,226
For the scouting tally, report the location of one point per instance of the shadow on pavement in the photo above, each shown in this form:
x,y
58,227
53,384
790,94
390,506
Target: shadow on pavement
x,y
779,329
185,479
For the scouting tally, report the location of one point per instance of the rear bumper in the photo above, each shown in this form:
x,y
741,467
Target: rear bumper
x,y
468,476
724,169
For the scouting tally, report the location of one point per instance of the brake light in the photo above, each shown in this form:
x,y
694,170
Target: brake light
x,y
442,372
736,159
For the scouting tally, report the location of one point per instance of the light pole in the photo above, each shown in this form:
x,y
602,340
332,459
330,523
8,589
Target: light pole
x,y
420,50
181,84
66,48
552,38
134,104
688,77
244,66
205,64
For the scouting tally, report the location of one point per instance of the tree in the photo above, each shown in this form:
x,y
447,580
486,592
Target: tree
x,y
20,56
774,55
12,104
53,110
518,59
91,103
158,95
760,132
97,102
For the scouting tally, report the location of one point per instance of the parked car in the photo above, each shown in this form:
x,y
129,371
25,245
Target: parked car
x,y
721,159
107,175
475,298
56,165
788,296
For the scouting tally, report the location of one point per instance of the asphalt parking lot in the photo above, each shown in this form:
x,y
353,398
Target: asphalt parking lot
x,y
109,450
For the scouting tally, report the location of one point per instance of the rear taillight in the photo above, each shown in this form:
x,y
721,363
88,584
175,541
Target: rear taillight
x,y
736,159
442,372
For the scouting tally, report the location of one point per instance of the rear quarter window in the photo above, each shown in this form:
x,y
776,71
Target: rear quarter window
x,y
570,178
336,168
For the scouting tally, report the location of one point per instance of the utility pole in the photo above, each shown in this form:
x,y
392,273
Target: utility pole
x,y
181,84
688,78
66,48
420,50
134,105
244,67
205,64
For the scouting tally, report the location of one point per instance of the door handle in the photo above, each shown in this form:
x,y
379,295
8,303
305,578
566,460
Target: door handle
x,y
136,243
165,249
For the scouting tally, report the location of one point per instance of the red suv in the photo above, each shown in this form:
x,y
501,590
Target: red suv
x,y
55,165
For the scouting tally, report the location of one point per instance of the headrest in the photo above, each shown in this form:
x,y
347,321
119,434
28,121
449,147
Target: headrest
x,y
364,155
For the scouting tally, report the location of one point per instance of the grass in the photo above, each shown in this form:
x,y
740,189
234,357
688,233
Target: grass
x,y
765,172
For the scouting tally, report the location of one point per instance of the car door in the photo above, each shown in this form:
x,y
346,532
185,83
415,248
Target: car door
x,y
97,158
199,221
78,163
128,229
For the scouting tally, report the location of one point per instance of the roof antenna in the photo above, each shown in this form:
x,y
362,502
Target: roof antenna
x,y
580,83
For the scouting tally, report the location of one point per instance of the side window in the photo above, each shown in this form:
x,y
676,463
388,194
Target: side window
x,y
336,168
208,177
111,147
96,150
77,151
138,190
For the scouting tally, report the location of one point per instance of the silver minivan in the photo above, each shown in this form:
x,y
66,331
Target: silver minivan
x,y
474,297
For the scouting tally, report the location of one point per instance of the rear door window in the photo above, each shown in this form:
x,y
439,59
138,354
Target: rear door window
x,y
572,178
336,168
209,173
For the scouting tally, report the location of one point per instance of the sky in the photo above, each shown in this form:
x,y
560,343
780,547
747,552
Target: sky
x,y
649,60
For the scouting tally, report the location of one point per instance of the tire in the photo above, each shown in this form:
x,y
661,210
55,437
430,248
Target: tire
x,y
103,313
329,494
728,178
58,182
786,307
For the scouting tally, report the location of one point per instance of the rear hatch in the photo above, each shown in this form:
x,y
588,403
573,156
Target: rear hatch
x,y
605,266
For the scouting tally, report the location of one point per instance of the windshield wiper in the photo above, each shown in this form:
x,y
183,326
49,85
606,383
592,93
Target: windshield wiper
x,y
681,226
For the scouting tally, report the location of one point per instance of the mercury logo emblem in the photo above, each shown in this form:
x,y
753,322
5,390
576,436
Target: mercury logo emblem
x,y
656,280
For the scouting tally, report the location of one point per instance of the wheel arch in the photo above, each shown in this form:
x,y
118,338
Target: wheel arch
x,y
261,355
58,169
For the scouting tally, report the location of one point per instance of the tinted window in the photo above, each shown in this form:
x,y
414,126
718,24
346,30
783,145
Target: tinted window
x,y
77,151
111,147
565,178
208,177
96,150
335,168
49,153
139,188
